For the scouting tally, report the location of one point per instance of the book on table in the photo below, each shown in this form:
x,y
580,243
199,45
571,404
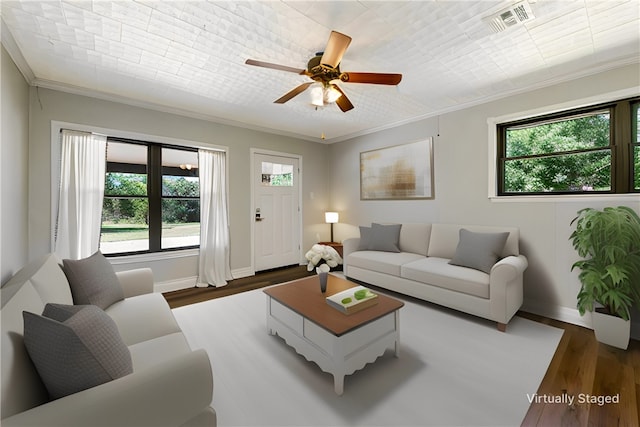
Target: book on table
x,y
353,300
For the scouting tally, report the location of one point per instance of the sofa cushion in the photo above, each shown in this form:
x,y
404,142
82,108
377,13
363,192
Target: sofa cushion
x,y
93,281
385,238
414,237
147,354
365,238
380,237
438,272
382,262
479,250
444,239
75,347
143,317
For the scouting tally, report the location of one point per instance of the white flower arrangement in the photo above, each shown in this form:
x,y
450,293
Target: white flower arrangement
x,y
323,258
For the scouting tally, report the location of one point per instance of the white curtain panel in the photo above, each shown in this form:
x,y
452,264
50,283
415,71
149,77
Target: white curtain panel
x,y
82,172
213,266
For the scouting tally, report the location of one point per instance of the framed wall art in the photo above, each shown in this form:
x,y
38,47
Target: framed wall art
x,y
399,172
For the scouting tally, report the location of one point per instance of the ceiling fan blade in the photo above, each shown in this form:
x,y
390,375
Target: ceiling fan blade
x,y
343,102
275,66
371,78
336,47
293,93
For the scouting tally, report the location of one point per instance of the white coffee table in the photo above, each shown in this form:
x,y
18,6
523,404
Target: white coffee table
x,y
338,343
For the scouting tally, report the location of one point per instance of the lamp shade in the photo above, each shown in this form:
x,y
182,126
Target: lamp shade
x,y
331,217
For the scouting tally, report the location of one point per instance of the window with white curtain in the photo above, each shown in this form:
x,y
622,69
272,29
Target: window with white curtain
x,y
152,198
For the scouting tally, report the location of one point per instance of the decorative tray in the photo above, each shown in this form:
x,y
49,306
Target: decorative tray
x,y
353,299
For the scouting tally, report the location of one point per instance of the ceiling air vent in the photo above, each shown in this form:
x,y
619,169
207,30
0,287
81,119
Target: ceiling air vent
x,y
513,15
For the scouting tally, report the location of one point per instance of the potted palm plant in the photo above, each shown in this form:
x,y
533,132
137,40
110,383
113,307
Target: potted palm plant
x,y
608,241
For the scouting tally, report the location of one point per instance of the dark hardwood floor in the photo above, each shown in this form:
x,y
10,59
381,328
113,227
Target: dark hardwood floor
x,y
260,280
582,368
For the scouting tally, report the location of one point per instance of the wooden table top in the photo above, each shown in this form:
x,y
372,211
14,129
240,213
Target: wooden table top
x,y
304,297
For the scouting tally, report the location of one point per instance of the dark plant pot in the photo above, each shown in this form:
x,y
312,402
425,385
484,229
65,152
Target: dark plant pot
x,y
611,330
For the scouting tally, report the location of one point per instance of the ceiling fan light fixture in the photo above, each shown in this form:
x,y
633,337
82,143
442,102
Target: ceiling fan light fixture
x,y
324,72
331,95
317,95
323,94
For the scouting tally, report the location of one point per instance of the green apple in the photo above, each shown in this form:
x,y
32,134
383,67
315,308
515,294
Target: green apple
x,y
360,294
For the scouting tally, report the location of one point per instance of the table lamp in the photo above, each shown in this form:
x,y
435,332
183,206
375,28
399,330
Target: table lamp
x,y
331,218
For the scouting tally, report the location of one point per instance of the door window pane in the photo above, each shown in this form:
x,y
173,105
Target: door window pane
x,y
277,175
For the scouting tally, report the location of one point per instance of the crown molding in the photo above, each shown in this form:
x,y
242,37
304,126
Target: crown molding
x,y
12,48
82,91
609,66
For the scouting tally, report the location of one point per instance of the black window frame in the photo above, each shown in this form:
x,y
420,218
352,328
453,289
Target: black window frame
x,y
154,171
622,141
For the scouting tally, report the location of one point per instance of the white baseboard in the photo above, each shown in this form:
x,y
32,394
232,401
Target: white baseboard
x,y
563,314
175,285
570,315
190,282
243,272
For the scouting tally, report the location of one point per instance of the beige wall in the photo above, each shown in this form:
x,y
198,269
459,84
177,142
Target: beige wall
x,y
461,154
51,105
14,117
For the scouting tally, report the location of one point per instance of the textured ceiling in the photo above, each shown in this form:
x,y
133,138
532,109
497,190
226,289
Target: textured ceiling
x,y
189,56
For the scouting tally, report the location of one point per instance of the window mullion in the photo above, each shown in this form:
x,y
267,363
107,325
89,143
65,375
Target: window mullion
x,y
155,198
621,141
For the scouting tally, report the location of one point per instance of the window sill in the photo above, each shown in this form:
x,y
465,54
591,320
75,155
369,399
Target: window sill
x,y
155,256
564,198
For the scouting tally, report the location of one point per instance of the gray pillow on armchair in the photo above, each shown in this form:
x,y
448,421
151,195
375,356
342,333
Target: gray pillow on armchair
x,y
75,347
93,281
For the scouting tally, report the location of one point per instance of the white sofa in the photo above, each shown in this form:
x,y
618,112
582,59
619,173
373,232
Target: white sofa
x,y
421,269
170,385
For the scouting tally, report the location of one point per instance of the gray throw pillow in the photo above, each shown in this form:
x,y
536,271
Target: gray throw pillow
x,y
385,237
75,347
365,238
479,251
93,281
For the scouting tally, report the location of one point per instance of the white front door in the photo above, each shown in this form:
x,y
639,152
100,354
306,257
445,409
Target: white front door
x,y
276,215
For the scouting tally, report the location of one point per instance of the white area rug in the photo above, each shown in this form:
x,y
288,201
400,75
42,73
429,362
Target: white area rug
x,y
453,370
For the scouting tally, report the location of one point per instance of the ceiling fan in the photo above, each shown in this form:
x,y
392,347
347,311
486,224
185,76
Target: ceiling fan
x,y
324,68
